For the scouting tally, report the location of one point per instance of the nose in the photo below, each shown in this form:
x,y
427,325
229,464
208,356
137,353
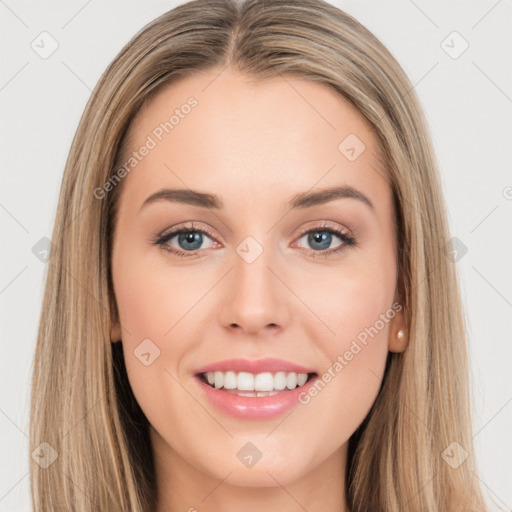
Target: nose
x,y
255,299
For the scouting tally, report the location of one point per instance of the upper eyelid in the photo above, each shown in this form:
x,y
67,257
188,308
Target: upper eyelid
x,y
177,229
326,225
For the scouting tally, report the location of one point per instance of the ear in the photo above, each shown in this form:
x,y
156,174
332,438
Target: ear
x,y
398,334
398,329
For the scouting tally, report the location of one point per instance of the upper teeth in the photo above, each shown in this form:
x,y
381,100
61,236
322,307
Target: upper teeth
x,y
246,381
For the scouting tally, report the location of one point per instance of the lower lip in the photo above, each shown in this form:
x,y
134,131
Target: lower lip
x,y
254,408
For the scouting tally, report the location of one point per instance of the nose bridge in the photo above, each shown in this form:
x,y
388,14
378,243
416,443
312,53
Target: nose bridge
x,y
255,298
251,272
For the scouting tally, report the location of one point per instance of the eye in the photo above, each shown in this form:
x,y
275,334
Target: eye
x,y
321,237
188,238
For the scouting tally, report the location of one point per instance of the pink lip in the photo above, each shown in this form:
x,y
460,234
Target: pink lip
x,y
254,408
254,366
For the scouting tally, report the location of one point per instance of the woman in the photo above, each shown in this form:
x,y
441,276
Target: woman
x,y
307,350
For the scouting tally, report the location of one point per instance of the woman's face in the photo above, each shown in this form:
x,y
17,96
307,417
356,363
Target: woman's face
x,y
262,273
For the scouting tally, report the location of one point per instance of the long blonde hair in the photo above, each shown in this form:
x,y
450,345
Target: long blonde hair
x,y
82,404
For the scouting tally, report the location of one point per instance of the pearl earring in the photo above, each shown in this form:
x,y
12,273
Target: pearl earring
x,y
400,334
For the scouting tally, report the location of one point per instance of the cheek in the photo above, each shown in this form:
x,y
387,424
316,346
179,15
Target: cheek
x,y
350,300
151,310
157,308
152,298
355,308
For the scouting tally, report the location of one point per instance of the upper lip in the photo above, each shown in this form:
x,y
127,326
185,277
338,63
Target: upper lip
x,y
254,366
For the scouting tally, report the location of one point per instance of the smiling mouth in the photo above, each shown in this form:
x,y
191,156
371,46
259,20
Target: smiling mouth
x,y
255,385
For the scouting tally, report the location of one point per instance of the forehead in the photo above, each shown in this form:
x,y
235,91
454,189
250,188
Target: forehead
x,y
222,132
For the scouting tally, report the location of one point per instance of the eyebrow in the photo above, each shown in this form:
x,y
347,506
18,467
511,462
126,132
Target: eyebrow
x,y
301,200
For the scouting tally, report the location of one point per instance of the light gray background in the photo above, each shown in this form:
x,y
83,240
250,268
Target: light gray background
x,y
468,103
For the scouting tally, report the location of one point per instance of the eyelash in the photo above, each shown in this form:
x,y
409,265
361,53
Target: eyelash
x,y
327,227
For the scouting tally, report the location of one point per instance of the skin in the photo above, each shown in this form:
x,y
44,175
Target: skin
x,y
255,145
